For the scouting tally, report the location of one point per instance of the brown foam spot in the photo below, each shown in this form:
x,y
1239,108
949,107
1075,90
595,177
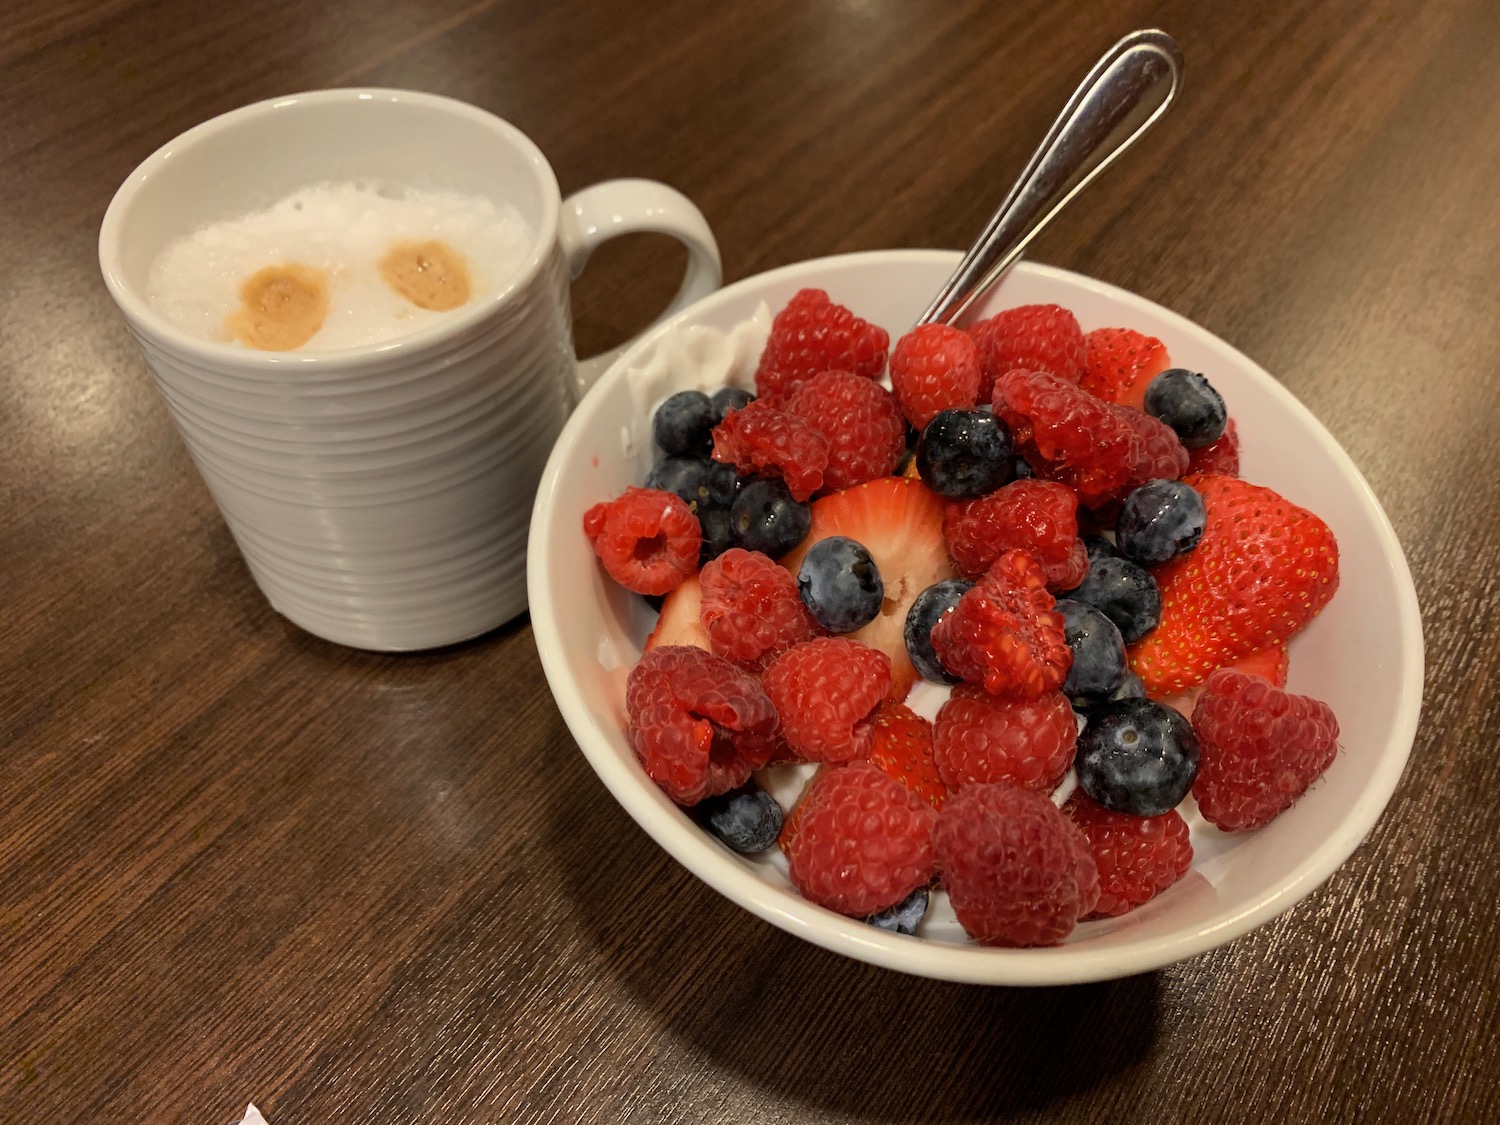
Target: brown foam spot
x,y
431,275
281,308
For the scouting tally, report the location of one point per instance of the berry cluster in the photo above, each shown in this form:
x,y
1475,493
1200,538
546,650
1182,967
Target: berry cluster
x,y
1044,526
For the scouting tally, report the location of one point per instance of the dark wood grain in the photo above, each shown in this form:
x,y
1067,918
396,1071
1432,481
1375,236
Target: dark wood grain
x,y
238,863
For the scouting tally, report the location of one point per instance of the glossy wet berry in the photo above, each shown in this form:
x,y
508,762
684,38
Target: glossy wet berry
x,y
717,527
840,584
1187,402
965,453
765,518
698,480
684,423
746,819
727,399
905,916
1099,547
1098,666
1137,757
929,608
1159,521
1124,592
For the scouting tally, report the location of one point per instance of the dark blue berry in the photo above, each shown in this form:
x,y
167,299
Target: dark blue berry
x,y
1130,688
1159,521
1188,403
684,423
1125,593
1137,757
767,519
718,532
1023,469
729,399
698,480
965,453
905,916
1098,652
1099,547
925,612
840,584
747,819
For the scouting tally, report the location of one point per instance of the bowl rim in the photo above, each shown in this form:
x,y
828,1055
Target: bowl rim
x,y
977,964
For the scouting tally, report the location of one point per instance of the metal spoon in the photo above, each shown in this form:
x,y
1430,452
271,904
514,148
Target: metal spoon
x,y
1128,89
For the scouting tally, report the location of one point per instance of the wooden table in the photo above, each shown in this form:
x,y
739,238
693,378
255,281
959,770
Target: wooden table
x,y
238,863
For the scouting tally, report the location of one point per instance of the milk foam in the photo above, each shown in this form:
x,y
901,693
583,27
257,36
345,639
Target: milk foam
x,y
344,230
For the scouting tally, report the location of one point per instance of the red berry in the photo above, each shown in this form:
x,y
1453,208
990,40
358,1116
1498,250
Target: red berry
x,y
1004,634
978,738
859,418
1121,363
1138,857
751,610
678,623
1259,749
1263,569
858,842
648,540
812,335
1221,458
1271,664
903,749
900,522
826,691
1039,517
935,367
1160,454
758,438
698,724
1018,872
1033,337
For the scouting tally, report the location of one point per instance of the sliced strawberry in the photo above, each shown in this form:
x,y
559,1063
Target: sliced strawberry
x,y
1120,364
900,522
1270,663
903,749
678,623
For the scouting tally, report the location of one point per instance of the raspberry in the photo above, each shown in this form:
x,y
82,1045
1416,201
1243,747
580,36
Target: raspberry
x,y
758,438
825,691
648,540
858,842
978,738
935,367
1018,872
1259,749
812,335
1034,337
1222,457
859,418
903,749
1039,517
750,608
698,724
1138,857
1004,633
1098,449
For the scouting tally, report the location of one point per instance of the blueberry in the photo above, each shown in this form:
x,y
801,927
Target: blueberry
x,y
698,480
840,584
684,423
905,916
1099,547
1125,593
1159,521
1098,652
747,819
1137,757
1188,403
718,532
1023,469
729,399
767,519
930,606
965,453
1130,688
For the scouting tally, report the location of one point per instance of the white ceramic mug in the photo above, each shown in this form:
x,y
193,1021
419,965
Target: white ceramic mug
x,y
381,495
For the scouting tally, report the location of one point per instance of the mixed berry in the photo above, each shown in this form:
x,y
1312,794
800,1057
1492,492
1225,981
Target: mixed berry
x,y
1047,528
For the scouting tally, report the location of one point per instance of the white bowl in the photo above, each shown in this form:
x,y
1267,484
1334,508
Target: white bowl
x,y
1363,654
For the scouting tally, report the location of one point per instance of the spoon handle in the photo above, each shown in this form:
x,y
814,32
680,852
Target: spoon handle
x,y
1132,85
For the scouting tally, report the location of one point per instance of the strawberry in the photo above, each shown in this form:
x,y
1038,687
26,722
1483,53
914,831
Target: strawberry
x,y
900,522
1263,569
1270,663
1120,364
903,749
678,622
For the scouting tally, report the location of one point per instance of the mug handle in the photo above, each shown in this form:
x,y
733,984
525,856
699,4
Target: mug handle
x,y
614,207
